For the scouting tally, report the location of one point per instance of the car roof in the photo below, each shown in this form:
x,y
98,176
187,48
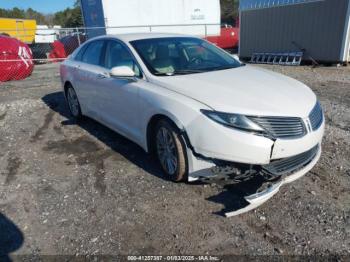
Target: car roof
x,y
140,36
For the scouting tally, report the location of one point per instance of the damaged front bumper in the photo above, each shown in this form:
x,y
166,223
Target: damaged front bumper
x,y
259,198
276,174
241,156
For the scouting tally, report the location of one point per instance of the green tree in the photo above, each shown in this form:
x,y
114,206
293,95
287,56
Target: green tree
x,y
3,12
70,17
39,17
229,11
23,14
17,13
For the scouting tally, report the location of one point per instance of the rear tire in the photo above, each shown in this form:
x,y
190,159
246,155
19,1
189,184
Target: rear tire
x,y
73,103
170,151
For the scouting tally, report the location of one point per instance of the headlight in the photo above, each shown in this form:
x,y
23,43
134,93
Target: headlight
x,y
233,120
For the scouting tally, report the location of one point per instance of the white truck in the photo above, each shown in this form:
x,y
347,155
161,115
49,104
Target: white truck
x,y
194,17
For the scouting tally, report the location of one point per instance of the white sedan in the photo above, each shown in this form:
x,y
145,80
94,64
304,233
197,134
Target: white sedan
x,y
198,109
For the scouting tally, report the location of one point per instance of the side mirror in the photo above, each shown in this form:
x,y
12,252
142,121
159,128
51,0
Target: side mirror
x,y
236,57
122,72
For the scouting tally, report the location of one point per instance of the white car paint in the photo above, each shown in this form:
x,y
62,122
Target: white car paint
x,y
128,106
246,90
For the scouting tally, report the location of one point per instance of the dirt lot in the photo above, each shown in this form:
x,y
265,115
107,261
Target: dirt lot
x,y
82,189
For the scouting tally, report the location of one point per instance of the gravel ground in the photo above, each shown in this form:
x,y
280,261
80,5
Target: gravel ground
x,y
83,189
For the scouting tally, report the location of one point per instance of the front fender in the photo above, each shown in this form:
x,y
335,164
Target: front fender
x,y
155,100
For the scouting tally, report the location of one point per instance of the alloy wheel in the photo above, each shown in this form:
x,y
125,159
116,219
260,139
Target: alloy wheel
x,y
73,102
166,151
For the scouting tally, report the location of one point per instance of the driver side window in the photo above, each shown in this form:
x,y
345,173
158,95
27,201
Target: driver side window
x,y
118,55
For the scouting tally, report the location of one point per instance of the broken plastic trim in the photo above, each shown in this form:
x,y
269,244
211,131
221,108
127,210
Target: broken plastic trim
x,y
189,145
257,199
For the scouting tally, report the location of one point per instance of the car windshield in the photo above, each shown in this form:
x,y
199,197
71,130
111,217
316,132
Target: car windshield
x,y
182,55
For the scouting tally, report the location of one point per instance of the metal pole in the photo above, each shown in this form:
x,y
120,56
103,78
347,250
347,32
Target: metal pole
x,y
76,29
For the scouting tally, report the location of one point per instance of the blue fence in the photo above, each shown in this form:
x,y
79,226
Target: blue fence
x,y
258,4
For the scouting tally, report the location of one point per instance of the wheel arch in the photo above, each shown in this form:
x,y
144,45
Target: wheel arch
x,y
67,84
152,124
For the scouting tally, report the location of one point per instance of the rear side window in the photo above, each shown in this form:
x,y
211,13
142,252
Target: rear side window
x,y
93,53
79,55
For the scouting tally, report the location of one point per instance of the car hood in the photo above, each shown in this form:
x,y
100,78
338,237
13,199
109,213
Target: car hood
x,y
245,90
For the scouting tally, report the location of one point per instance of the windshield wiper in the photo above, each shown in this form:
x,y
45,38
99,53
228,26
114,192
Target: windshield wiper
x,y
222,68
180,72
187,71
196,71
160,74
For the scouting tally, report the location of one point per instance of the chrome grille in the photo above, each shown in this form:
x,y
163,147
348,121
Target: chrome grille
x,y
282,127
291,164
316,117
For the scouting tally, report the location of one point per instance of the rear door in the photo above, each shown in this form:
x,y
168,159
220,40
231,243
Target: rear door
x,y
88,73
20,30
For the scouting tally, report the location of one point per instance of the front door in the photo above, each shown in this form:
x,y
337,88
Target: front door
x,y
120,97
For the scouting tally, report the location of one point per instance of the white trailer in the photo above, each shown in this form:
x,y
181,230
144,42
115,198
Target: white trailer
x,y
44,34
193,17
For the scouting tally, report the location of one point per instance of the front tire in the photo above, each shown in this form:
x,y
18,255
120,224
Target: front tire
x,y
73,103
170,151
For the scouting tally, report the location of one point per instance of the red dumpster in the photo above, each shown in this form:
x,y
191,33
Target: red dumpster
x,y
65,46
15,59
228,38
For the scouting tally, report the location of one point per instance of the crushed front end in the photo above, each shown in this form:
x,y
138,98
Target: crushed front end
x,y
292,150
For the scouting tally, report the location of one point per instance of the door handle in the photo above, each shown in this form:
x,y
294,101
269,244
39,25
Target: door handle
x,y
102,75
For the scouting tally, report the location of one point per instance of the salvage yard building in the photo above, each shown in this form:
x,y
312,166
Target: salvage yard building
x,y
318,27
